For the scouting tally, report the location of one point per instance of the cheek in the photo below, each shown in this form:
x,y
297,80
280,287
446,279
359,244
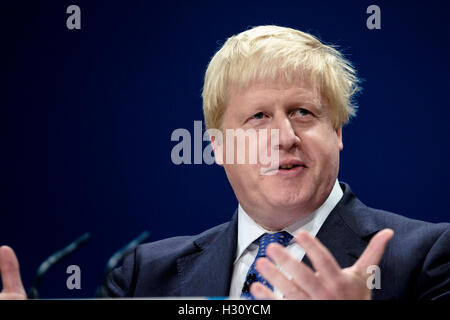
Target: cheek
x,y
252,150
322,149
268,152
244,179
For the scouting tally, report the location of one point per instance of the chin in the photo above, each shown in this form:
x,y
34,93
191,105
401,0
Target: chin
x,y
289,202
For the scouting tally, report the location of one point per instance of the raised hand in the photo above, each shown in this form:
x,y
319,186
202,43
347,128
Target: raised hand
x,y
10,274
328,281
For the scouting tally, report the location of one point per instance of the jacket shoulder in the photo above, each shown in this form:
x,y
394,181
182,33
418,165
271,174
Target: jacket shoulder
x,y
175,247
365,221
144,271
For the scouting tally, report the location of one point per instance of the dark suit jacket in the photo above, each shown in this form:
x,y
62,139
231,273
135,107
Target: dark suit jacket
x,y
415,265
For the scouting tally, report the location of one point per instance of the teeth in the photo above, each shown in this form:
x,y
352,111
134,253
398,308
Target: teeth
x,y
287,167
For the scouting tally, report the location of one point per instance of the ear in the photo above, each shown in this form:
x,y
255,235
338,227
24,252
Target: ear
x,y
339,135
217,145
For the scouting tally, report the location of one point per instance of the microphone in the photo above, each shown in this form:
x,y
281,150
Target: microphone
x,y
117,257
33,292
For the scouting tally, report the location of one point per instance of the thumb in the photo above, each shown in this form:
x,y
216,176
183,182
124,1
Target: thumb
x,y
9,271
374,251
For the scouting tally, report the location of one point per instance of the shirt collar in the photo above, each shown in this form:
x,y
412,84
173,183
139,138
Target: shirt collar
x,y
249,230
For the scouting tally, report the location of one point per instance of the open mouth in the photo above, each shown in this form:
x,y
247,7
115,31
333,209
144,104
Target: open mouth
x,y
289,166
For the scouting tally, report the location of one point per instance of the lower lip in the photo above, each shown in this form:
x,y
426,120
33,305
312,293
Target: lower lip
x,y
290,173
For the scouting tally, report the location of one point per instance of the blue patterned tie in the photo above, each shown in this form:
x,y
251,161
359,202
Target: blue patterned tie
x,y
282,238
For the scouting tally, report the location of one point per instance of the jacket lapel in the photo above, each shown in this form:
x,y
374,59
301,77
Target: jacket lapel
x,y
342,233
344,245
207,272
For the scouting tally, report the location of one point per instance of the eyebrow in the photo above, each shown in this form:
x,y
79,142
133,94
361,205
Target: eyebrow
x,y
307,100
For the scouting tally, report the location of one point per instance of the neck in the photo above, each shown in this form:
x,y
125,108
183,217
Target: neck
x,y
287,216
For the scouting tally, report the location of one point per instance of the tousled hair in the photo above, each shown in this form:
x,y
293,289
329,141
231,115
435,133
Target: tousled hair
x,y
268,52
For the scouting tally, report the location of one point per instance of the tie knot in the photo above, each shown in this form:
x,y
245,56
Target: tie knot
x,y
282,238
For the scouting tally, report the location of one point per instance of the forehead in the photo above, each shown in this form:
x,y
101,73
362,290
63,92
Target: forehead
x,y
275,90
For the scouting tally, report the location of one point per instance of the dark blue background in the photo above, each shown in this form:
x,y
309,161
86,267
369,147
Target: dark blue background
x,y
87,116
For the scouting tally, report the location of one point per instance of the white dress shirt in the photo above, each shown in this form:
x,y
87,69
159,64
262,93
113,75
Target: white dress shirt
x,y
249,231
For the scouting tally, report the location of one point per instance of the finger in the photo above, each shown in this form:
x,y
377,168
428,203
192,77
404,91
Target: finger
x,y
9,270
277,279
320,257
302,276
260,291
374,251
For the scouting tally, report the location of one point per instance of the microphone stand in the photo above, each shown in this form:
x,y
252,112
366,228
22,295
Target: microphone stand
x,y
33,292
116,258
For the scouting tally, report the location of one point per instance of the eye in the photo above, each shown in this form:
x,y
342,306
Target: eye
x,y
301,112
258,115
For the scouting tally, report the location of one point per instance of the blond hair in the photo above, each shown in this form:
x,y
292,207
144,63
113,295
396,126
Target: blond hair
x,y
265,52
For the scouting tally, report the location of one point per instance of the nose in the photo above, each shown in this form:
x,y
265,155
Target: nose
x,y
288,139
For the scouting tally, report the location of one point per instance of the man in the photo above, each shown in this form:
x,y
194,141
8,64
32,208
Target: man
x,y
298,233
